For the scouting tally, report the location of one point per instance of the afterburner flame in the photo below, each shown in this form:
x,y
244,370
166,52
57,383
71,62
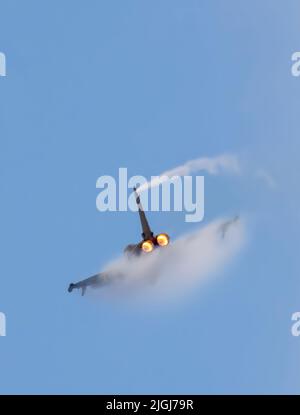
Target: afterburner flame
x,y
147,246
162,239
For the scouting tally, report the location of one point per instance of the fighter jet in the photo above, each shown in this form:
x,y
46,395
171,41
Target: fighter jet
x,y
148,243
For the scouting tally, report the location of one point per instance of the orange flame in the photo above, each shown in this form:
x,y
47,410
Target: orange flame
x,y
147,246
162,239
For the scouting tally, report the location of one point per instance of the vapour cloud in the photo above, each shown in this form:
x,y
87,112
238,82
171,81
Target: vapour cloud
x,y
266,177
225,163
169,273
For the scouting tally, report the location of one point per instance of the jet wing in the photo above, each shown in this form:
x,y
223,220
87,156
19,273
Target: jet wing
x,y
98,280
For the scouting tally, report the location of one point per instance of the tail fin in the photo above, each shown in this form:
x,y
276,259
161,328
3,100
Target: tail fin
x,y
147,233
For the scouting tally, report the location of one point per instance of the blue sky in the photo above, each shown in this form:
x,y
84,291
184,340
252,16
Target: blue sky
x,y
94,86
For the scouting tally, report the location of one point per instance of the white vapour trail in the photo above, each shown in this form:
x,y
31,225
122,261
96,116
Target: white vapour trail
x,y
212,165
173,271
267,178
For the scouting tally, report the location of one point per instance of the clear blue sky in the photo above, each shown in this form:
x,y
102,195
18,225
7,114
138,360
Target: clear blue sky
x,y
94,86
